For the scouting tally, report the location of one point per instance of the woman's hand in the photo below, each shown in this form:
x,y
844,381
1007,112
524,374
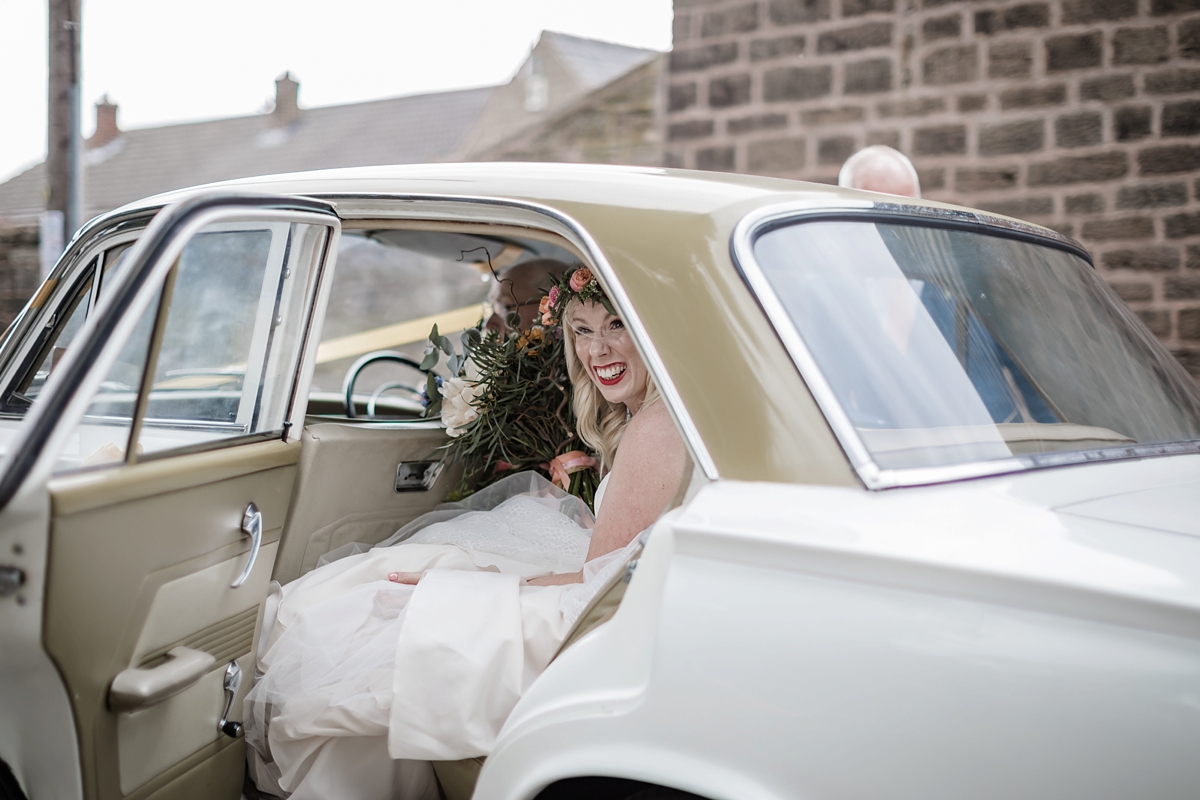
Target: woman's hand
x,y
410,578
558,580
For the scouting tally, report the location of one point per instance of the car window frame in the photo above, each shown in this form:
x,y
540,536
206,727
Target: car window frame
x,y
452,212
146,266
258,354
873,476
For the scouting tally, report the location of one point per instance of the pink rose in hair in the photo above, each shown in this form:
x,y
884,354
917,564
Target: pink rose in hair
x,y
553,296
580,278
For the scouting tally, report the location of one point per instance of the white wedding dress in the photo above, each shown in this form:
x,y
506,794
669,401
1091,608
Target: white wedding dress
x,y
363,681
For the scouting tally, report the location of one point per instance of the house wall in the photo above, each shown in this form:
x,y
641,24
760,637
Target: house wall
x,y
506,111
621,123
1082,115
19,268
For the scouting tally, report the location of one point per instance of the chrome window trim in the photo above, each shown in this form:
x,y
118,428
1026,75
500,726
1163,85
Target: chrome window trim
x,y
757,222
432,208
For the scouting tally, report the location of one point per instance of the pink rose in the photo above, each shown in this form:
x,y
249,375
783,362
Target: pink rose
x,y
580,278
553,296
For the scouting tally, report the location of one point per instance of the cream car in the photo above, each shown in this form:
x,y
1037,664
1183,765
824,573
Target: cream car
x,y
940,537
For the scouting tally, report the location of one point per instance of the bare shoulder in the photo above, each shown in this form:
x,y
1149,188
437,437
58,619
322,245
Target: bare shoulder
x,y
653,428
645,476
652,444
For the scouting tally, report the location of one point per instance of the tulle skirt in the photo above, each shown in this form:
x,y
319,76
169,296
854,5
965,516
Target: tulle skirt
x,y
363,681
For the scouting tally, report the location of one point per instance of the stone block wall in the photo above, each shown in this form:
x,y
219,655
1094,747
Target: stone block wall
x,y
1082,115
19,265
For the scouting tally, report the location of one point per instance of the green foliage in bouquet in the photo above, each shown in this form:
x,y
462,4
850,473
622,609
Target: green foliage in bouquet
x,y
508,408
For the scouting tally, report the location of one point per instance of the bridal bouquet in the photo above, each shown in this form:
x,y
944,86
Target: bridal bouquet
x,y
507,406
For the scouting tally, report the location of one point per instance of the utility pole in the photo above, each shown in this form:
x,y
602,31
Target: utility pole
x,y
64,151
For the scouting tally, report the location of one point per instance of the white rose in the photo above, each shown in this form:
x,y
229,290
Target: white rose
x,y
458,409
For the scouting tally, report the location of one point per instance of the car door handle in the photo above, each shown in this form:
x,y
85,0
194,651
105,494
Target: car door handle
x,y
136,687
252,527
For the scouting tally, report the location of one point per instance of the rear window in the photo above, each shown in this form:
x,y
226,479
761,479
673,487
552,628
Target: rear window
x,y
944,347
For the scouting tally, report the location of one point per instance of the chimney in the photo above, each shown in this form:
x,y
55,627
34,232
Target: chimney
x,y
287,108
106,124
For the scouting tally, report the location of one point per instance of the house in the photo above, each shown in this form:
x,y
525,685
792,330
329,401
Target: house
x,y
573,99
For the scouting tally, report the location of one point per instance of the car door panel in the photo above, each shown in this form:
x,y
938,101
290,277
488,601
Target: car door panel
x,y
346,488
118,598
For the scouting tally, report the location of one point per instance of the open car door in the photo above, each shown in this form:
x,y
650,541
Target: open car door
x,y
143,498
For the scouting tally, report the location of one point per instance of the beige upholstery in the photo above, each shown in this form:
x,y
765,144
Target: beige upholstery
x,y
346,488
458,778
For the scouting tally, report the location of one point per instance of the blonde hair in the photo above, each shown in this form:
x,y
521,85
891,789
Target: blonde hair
x,y
599,423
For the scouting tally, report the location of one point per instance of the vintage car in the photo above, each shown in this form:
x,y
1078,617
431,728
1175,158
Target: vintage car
x,y
939,538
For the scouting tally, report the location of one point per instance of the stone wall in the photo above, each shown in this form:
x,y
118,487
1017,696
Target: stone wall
x,y
1082,115
19,264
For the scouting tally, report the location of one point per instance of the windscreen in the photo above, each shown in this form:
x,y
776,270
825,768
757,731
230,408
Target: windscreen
x,y
947,346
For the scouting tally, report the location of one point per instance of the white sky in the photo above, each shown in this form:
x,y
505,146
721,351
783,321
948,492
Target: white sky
x,y
169,61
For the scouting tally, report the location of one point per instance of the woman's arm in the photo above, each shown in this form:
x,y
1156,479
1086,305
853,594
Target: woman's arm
x,y
645,476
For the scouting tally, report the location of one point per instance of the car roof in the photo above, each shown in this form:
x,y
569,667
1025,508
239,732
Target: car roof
x,y
647,188
666,234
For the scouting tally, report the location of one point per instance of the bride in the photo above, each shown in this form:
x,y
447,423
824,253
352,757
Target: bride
x,y
417,650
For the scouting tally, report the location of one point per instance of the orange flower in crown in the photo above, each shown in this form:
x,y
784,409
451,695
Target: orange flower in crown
x,y
580,278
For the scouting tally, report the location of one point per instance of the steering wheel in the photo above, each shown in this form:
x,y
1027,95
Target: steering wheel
x,y
362,363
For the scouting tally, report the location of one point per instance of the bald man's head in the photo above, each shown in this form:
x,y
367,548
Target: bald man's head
x,y
519,289
880,168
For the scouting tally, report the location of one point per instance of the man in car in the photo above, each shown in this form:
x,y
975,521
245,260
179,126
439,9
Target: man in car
x,y
880,168
519,288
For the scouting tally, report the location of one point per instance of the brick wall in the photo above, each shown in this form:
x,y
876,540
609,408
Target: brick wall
x,y
1082,115
19,263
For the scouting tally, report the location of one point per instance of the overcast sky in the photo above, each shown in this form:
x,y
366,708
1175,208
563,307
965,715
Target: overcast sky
x,y
165,61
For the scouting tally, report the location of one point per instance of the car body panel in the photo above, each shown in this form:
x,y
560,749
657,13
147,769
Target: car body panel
x,y
37,732
781,641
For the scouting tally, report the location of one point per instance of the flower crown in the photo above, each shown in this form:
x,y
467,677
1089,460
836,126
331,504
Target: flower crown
x,y
579,282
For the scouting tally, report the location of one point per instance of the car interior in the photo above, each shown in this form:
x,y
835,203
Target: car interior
x,y
176,501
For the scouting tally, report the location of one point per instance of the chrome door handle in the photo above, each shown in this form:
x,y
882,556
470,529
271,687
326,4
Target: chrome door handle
x,y
252,527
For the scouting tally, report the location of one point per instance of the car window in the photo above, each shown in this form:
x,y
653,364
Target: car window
x,y
57,337
389,289
379,283
223,339
58,334
948,346
103,435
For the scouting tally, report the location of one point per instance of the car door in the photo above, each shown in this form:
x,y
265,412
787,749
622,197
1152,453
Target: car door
x,y
143,499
